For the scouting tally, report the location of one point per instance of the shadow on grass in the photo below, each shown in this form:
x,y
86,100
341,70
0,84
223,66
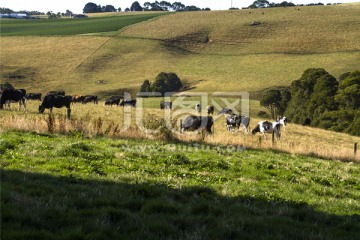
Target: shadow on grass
x,y
41,206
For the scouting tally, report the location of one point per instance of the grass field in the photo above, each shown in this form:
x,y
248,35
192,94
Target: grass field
x,y
59,187
212,51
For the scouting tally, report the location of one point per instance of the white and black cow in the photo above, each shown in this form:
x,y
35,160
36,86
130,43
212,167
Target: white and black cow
x,y
33,96
90,98
165,105
16,95
210,110
197,123
282,120
128,102
268,127
236,121
53,100
113,100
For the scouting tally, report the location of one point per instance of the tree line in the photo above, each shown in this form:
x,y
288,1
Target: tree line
x,y
147,6
330,103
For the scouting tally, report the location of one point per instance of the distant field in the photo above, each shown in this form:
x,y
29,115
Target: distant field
x,y
70,26
211,51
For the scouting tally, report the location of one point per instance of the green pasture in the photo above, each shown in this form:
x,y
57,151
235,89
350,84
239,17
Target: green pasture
x,y
70,26
58,187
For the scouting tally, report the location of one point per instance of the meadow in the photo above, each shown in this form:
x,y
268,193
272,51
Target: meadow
x,y
65,187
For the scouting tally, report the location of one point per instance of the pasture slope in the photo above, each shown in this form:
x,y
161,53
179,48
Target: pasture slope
x,y
88,180
212,51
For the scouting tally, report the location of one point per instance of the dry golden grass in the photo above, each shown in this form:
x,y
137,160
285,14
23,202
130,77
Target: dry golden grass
x,y
94,120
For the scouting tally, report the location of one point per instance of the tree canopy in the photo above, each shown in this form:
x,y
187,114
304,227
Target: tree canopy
x,y
164,82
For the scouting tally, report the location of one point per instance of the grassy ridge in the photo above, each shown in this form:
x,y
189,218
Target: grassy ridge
x,y
212,51
70,26
112,188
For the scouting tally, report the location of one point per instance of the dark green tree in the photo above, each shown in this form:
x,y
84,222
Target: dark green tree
x,y
146,86
135,7
90,8
178,6
276,101
166,82
109,8
348,94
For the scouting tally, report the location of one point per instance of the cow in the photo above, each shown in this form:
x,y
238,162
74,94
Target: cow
x,y
267,127
78,98
130,102
53,100
113,100
90,98
282,120
33,96
237,121
198,108
307,122
62,93
193,123
210,110
16,95
165,105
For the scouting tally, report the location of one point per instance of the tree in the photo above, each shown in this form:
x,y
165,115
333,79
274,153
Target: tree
x,y
90,8
348,94
146,86
135,7
109,8
276,101
178,6
166,82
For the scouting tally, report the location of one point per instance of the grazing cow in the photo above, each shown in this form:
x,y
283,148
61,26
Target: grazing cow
x,y
17,95
307,122
53,100
33,96
131,102
62,93
237,121
165,105
193,123
78,98
210,109
90,98
113,100
267,127
198,108
282,120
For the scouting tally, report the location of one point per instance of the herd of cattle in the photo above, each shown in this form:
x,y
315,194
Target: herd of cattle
x,y
58,99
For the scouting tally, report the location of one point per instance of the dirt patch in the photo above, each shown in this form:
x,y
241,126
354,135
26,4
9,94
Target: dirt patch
x,y
11,74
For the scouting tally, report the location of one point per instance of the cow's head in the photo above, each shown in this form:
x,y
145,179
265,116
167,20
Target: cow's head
x,y
256,129
41,109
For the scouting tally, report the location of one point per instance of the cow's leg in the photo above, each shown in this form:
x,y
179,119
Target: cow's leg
x,y
8,103
24,103
264,135
50,110
19,104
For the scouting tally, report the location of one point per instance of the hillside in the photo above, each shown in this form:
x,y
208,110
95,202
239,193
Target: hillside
x,y
211,51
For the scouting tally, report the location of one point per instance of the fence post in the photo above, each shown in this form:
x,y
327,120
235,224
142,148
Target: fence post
x,y
273,138
355,150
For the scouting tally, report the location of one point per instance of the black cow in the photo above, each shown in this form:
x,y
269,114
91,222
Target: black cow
x,y
237,121
57,101
210,109
62,93
113,100
131,102
90,98
78,98
33,96
16,95
307,122
193,123
165,105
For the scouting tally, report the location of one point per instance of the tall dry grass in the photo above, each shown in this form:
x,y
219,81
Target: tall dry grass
x,y
97,120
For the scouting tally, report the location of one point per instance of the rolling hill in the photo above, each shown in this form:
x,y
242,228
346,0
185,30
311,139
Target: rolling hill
x,y
211,51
